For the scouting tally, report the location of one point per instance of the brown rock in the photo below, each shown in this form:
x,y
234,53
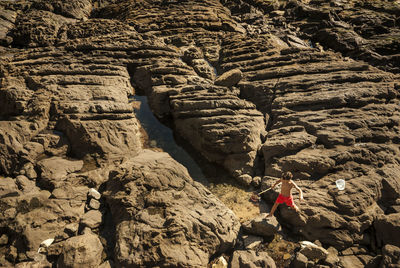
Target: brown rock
x,y
91,219
313,251
390,256
300,261
81,251
177,210
252,241
229,78
262,226
250,258
54,171
388,229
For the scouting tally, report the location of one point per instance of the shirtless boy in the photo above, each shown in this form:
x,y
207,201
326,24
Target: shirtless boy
x,y
286,196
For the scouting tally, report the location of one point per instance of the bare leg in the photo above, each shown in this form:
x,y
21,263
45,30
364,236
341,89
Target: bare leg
x,y
273,209
296,208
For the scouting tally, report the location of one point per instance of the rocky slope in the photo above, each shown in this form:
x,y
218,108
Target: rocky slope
x,y
255,87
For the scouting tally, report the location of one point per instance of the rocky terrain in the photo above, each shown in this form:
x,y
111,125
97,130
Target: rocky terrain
x,y
254,87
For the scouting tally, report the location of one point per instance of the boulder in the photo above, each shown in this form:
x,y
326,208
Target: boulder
x,y
162,215
81,251
262,226
229,78
250,258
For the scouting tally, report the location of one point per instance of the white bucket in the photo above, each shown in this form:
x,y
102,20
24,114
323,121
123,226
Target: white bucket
x,y
340,184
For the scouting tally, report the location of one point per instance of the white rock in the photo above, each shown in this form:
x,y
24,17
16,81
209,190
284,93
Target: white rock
x,y
94,193
221,263
47,242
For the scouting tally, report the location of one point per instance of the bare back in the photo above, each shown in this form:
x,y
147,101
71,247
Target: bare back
x,y
286,187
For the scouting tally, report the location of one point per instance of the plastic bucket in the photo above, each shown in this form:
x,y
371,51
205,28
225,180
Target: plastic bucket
x,y
340,184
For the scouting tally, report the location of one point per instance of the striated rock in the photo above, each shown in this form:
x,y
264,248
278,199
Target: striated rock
x,y
7,20
38,28
262,226
225,129
250,258
229,78
67,69
81,251
157,213
78,9
352,29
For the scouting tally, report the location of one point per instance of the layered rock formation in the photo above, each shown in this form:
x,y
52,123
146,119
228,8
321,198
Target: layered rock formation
x,y
243,82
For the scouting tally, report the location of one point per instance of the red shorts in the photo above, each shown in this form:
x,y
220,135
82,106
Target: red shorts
x,y
285,199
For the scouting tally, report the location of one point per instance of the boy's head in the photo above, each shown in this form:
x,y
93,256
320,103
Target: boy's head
x,y
287,176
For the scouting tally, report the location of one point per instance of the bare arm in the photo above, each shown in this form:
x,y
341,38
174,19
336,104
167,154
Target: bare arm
x,y
275,184
298,189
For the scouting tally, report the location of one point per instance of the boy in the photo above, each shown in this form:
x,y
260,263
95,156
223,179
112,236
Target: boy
x,y
285,195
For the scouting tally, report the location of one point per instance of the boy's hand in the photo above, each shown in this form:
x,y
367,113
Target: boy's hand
x,y
301,198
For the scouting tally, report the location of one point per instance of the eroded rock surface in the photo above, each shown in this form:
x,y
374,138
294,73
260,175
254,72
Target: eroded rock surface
x,y
163,217
305,102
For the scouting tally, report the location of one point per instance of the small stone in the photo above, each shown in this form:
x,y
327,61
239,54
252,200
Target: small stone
x,y
332,258
29,171
107,264
94,204
71,229
221,263
11,254
92,219
25,184
94,193
3,240
300,261
286,256
256,181
245,179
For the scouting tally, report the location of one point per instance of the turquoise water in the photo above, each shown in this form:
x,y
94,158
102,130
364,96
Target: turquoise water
x,y
161,136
